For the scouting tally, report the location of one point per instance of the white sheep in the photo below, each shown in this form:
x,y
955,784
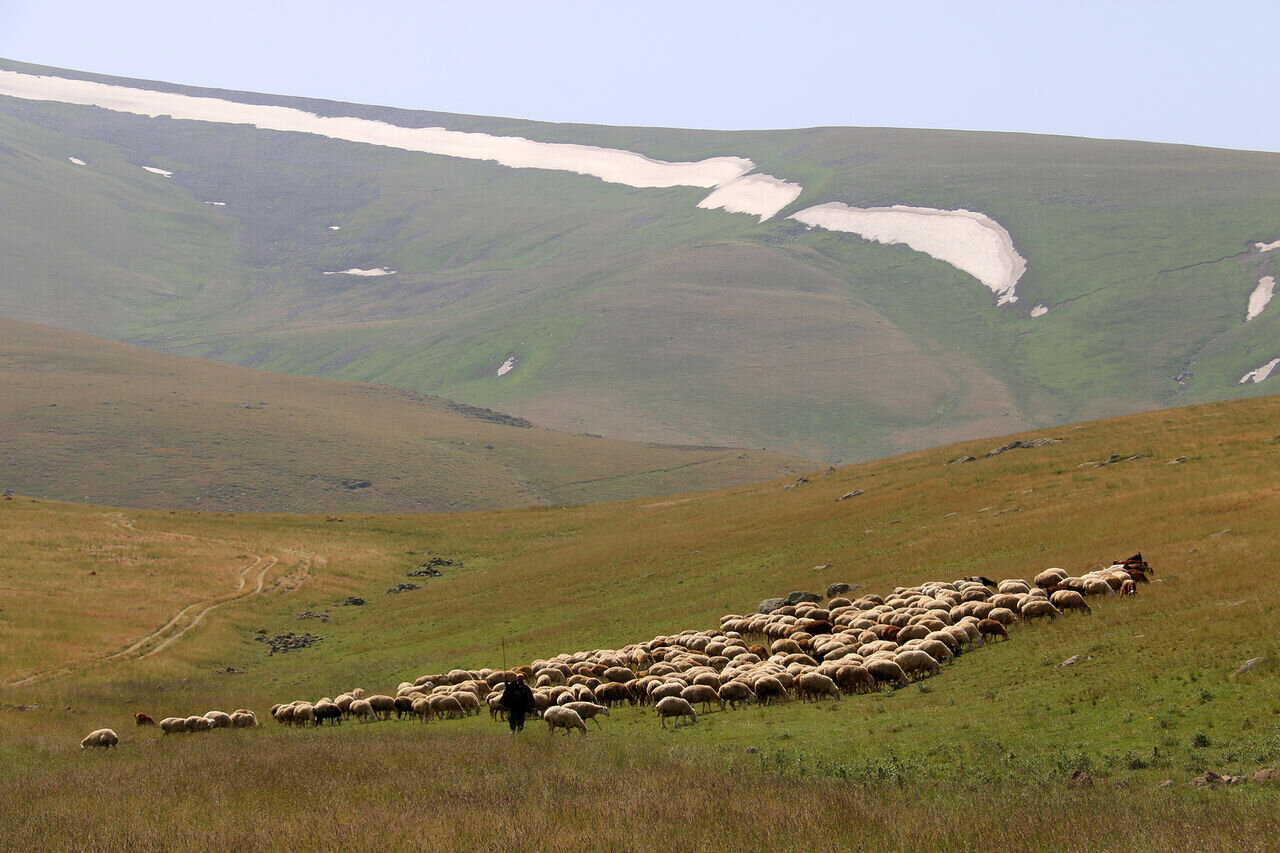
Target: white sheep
x,y
218,719
169,725
674,706
561,717
588,711
100,737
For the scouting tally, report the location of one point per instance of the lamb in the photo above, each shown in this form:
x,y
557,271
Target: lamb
x,y
562,717
588,711
674,706
100,737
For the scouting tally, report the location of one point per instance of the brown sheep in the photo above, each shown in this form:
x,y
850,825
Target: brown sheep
x,y
991,628
702,693
734,692
854,678
768,688
815,685
143,720
1069,599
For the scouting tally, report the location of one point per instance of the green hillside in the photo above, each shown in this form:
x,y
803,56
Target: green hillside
x,y
979,756
631,313
87,419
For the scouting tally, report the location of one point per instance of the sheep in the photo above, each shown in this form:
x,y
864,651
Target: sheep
x,y
703,693
143,720
169,725
674,706
244,719
362,710
1050,577
218,719
421,709
768,688
382,705
1069,599
100,737
992,628
916,663
886,671
304,713
445,705
198,724
561,717
734,692
326,710
588,711
814,685
1037,608
470,704
854,678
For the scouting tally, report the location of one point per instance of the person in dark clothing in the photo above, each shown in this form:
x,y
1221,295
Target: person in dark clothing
x,y
517,698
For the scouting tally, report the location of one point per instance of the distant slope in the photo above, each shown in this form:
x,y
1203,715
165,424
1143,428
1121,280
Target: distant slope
x,y
630,312
83,418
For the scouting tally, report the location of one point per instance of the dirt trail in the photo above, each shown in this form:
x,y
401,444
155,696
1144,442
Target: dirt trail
x,y
190,616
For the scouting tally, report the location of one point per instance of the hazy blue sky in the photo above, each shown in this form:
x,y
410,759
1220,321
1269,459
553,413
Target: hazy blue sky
x,y
1196,72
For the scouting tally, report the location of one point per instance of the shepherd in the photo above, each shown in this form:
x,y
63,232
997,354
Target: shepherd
x,y
517,698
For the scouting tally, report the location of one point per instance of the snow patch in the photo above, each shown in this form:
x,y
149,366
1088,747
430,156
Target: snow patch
x,y
1259,373
972,242
761,195
372,272
1267,247
1260,297
1039,309
507,365
164,173
335,227
609,164
216,203
77,161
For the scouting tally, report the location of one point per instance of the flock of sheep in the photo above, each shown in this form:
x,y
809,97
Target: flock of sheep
x,y
807,651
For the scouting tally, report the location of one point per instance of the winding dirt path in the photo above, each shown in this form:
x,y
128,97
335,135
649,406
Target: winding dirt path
x,y
252,580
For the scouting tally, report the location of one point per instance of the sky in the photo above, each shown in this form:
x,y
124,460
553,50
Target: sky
x,y
1200,73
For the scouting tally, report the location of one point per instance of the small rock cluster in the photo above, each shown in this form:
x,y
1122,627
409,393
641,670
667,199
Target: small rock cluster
x,y
289,642
403,587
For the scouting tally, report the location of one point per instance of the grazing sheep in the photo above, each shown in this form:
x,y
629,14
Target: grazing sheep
x,y
734,692
1050,577
446,706
588,711
674,706
199,724
243,719
815,685
916,663
326,710
992,628
143,720
421,709
382,705
305,713
1069,599
768,688
100,737
1038,608
854,678
704,693
886,671
561,717
218,719
169,725
470,704
362,710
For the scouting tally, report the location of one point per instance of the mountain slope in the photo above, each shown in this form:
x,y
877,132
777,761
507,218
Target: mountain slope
x,y
83,418
629,311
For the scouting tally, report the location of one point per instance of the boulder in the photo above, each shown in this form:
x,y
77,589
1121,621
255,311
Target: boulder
x,y
837,589
1249,664
1269,774
1080,779
802,595
771,604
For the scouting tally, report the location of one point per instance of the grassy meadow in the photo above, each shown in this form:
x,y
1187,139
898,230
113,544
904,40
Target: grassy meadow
x,y
976,758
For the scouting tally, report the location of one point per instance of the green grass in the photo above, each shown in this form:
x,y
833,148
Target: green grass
x,y
981,752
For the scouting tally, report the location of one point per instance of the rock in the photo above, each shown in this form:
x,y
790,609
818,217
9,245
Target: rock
x,y
403,587
837,589
963,459
1270,774
1249,664
289,642
821,568
848,495
802,595
1080,779
1069,661
751,750
355,601
1207,779
1167,783
771,604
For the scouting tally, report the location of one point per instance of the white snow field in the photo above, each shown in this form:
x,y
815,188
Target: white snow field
x,y
1260,297
77,161
156,170
1267,247
376,271
972,242
1260,373
507,365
